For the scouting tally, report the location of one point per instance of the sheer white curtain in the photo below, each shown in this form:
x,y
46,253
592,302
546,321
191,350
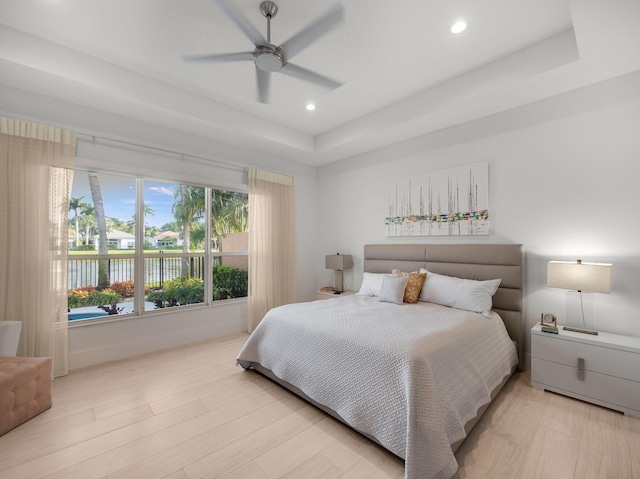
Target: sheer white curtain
x,y
36,172
272,243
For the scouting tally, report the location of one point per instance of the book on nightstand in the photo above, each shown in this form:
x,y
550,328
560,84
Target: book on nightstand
x,y
549,329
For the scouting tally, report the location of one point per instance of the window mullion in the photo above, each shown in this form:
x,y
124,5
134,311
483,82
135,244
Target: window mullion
x,y
139,266
208,264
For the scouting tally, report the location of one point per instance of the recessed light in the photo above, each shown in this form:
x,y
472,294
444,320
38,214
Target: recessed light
x,y
459,26
310,106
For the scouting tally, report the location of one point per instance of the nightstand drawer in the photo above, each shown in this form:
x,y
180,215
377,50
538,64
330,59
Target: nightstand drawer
x,y
599,388
600,359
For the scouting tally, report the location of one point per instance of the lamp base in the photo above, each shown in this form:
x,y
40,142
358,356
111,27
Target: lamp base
x,y
338,281
580,330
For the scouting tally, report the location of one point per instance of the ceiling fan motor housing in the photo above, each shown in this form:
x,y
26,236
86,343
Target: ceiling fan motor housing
x,y
268,58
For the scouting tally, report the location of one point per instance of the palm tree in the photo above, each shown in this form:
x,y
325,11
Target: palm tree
x,y
101,220
229,213
130,227
197,235
88,217
148,211
74,205
150,232
114,223
188,207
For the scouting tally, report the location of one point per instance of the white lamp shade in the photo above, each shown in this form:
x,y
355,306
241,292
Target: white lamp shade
x,y
579,276
339,261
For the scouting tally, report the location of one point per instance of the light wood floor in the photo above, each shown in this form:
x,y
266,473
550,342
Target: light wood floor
x,y
191,413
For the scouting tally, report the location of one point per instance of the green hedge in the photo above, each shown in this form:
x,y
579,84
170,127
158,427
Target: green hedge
x,y
229,282
89,296
178,292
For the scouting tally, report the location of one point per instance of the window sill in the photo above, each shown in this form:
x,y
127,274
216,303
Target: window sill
x,y
156,312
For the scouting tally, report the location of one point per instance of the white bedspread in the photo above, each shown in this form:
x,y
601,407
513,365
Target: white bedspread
x,y
410,375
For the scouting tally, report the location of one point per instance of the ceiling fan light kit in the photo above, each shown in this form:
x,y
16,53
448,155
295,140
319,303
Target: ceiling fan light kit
x,y
269,58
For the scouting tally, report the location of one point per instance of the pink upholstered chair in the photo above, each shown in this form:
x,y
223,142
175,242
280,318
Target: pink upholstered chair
x,y
25,383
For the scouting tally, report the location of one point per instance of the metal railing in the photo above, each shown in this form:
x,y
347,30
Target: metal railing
x,y
84,271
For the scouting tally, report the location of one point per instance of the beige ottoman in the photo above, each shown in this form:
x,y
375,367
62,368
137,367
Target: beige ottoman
x,y
25,390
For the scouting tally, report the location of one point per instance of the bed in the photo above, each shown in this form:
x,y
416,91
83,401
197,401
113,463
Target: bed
x,y
414,378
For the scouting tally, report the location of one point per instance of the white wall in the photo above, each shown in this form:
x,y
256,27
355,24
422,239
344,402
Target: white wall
x,y
98,343
563,179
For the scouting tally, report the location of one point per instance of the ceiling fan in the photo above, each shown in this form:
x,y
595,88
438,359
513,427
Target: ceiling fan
x,y
270,58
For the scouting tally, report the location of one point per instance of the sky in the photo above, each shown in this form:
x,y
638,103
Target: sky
x,y
119,197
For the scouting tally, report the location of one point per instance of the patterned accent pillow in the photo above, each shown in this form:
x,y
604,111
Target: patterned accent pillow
x,y
414,286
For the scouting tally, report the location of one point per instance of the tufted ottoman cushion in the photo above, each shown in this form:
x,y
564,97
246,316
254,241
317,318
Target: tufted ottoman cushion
x,y
25,389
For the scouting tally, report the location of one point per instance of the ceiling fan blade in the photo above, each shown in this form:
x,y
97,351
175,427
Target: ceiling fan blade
x,y
307,75
314,31
222,57
249,30
263,78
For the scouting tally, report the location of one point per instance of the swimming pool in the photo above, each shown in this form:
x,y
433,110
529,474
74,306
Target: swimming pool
x,y
74,316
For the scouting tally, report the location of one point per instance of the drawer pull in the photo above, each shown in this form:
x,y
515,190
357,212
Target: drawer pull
x,y
581,369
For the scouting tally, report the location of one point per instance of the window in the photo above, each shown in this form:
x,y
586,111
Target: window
x,y
189,249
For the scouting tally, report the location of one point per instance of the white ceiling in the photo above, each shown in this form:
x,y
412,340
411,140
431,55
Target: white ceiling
x,y
404,73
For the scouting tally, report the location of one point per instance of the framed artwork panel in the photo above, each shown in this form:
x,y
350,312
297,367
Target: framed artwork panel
x,y
450,202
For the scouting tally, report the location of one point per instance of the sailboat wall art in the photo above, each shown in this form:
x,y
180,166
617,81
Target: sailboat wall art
x,y
449,202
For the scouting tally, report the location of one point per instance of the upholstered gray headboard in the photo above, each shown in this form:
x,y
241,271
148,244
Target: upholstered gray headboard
x,y
471,261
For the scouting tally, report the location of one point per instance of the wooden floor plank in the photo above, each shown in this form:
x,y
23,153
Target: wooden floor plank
x,y
48,465
293,452
207,438
190,412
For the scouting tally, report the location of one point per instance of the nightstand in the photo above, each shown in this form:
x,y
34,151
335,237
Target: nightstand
x,y
602,369
329,294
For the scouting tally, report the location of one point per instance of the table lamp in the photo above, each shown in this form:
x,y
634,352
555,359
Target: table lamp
x,y
579,276
338,262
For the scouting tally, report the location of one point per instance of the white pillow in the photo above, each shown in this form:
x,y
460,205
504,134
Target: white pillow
x,y
393,289
371,284
459,293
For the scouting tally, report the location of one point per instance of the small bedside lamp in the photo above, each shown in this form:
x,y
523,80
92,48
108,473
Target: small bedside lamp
x,y
339,262
579,276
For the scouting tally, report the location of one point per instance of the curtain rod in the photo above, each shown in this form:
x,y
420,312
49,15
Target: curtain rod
x,y
86,137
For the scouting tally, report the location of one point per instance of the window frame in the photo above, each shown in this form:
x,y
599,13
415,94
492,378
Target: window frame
x,y
139,255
